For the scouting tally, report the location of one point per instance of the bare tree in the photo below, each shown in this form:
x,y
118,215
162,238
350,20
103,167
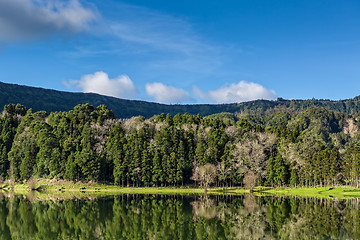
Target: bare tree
x,y
223,171
252,151
250,180
205,174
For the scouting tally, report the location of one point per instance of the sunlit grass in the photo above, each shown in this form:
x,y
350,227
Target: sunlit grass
x,y
46,185
329,192
69,188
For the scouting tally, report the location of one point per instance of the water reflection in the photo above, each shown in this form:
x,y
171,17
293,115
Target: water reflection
x,y
179,217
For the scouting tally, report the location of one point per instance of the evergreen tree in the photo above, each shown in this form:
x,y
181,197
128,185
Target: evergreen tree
x,y
294,178
271,171
281,171
116,155
200,150
156,168
27,163
72,169
87,159
145,168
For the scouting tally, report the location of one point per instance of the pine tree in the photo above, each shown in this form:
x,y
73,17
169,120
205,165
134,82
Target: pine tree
x,y
87,159
334,164
4,162
200,151
115,154
145,168
72,170
294,178
27,163
136,163
281,170
156,167
271,171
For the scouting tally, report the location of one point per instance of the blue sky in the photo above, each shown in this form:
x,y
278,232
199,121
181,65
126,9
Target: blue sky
x,y
184,51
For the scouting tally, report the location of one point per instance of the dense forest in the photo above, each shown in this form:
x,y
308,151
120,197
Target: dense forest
x,y
309,147
48,100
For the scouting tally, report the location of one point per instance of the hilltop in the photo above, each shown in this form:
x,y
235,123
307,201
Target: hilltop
x,y
53,101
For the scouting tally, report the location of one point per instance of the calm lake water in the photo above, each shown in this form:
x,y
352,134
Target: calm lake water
x,y
180,217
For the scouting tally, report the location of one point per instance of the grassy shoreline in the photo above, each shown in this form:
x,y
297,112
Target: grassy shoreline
x,y
45,185
323,192
62,187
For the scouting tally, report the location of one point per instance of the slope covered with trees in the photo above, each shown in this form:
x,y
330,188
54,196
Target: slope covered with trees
x,y
311,147
40,99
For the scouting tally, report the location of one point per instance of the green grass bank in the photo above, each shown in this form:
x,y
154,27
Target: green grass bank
x,y
69,188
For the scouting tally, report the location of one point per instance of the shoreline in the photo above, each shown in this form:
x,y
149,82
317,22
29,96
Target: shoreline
x,y
63,187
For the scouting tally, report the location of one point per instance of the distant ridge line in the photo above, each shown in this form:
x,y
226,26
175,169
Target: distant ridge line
x,y
49,100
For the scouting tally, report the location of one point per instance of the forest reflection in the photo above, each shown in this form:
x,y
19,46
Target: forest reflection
x,y
179,217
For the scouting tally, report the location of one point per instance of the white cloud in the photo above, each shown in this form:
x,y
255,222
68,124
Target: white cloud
x,y
99,82
237,92
29,19
167,94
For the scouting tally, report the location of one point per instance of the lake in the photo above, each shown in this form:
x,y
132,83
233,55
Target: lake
x,y
179,217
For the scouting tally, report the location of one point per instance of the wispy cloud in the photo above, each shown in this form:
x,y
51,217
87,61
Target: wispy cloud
x,y
167,94
31,19
156,39
236,92
99,82
156,30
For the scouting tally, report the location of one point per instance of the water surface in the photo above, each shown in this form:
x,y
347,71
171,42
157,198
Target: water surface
x,y
179,217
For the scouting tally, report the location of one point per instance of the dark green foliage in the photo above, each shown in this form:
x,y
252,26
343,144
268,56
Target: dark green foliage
x,y
351,167
8,126
315,146
28,162
88,161
115,153
281,169
294,178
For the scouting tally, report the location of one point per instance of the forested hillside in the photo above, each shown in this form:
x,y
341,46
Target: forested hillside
x,y
40,99
314,146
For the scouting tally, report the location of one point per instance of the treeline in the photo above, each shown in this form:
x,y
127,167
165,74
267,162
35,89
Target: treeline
x,y
312,147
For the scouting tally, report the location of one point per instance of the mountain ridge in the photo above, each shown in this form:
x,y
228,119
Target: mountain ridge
x,y
50,100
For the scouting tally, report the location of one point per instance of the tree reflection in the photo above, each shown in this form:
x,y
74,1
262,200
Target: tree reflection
x,y
179,217
204,207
